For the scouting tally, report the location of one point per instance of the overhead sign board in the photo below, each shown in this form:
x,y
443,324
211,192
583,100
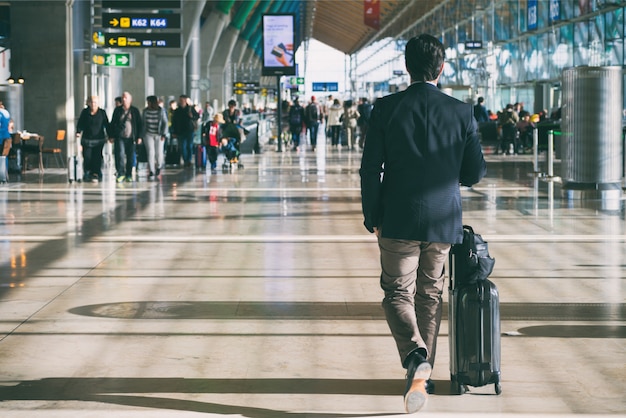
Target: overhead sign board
x,y
325,86
142,40
473,44
141,20
245,87
294,81
246,91
141,4
112,60
246,84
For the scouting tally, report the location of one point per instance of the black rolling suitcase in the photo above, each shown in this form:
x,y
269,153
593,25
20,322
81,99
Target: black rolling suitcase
x,y
474,316
172,152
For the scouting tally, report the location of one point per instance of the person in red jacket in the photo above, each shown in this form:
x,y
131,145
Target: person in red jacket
x,y
212,133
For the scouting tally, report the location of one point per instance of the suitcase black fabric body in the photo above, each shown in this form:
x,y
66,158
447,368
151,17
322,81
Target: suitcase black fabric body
x,y
172,152
473,321
14,161
142,153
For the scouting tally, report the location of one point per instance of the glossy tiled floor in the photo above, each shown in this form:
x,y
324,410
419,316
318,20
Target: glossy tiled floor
x,y
255,294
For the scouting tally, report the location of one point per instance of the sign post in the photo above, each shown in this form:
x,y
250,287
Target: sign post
x,y
278,56
279,122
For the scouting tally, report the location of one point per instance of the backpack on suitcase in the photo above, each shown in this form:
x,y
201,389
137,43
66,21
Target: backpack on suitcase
x,y
474,316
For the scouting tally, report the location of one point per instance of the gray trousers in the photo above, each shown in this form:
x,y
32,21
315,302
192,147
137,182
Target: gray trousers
x,y
155,149
413,279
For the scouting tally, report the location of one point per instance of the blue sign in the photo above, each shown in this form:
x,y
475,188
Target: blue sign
x,y
532,15
555,10
325,86
381,86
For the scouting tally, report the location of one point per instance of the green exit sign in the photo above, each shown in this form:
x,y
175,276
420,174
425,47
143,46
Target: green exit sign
x,y
296,80
112,60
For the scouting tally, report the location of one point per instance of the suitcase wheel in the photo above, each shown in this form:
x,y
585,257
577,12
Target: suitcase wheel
x,y
456,387
498,388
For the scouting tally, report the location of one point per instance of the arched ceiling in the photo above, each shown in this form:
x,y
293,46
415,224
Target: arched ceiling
x,y
339,23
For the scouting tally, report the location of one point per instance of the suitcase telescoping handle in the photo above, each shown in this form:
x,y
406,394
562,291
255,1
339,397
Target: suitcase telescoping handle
x,y
452,258
451,264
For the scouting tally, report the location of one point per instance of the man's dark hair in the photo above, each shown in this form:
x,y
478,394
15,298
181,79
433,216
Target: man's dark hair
x,y
481,100
424,55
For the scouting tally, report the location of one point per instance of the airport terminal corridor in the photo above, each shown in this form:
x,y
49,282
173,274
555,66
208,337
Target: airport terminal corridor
x,y
254,293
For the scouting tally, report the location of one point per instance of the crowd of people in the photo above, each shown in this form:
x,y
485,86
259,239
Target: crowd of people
x,y
511,128
345,123
161,134
155,135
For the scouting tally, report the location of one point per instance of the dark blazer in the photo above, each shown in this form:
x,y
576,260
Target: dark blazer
x,y
184,119
422,143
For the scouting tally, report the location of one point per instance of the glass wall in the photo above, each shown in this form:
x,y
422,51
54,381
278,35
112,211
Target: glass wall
x,y
525,43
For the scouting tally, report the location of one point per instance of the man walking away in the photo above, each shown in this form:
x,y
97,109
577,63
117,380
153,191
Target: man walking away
x,y
480,111
420,145
313,118
365,111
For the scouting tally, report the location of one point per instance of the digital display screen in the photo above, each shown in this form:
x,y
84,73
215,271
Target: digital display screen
x,y
278,45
